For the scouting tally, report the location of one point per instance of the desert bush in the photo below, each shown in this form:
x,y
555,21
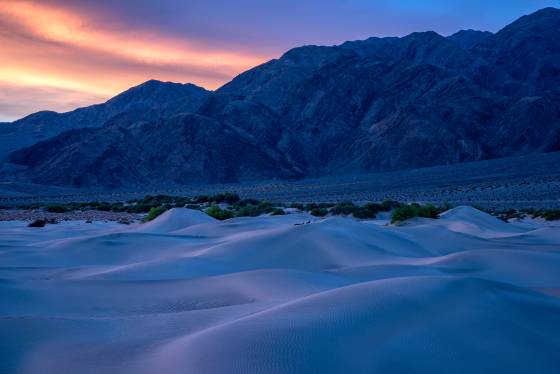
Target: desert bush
x,y
509,214
388,205
297,206
38,223
551,215
278,212
319,212
405,212
193,206
154,213
310,206
252,210
225,197
344,208
29,206
244,202
368,211
56,208
219,213
202,199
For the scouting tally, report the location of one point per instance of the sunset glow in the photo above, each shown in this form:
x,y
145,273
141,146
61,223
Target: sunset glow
x,y
59,54
69,52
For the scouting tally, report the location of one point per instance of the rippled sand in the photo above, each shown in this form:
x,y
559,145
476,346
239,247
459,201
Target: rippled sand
x,y
291,294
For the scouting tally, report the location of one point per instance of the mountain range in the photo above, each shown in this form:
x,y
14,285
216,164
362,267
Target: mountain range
x,y
379,104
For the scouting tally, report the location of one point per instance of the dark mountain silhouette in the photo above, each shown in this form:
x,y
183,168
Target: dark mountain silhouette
x,y
165,98
374,105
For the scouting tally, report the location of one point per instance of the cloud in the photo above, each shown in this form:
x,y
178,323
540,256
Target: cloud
x,y
48,46
98,48
17,101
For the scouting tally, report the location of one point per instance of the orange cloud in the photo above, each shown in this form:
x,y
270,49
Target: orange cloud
x,y
47,46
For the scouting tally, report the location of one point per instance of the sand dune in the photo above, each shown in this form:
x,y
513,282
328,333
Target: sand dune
x,y
290,294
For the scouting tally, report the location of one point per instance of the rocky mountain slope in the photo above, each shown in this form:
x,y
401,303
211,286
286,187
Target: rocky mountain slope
x,y
151,96
374,105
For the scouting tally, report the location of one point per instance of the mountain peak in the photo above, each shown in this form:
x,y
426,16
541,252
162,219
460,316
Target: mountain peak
x,y
545,19
155,90
547,11
469,38
423,36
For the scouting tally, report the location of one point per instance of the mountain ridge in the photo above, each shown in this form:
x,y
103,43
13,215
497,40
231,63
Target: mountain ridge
x,y
149,95
374,105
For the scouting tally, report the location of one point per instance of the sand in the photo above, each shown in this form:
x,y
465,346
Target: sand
x,y
185,293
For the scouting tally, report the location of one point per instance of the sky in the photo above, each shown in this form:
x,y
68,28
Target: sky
x,y
63,54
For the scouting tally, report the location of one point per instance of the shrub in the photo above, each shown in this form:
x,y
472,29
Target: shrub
x,y
551,215
310,206
154,213
510,214
180,202
388,205
252,210
404,212
225,197
242,203
278,212
193,206
56,209
297,206
344,208
38,223
219,213
202,199
319,212
368,211
105,207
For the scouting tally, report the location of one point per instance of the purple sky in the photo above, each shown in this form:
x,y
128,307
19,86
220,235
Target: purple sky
x,y
60,53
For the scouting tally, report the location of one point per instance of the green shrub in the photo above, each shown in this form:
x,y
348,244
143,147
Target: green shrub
x,y
252,210
509,214
242,203
154,213
202,199
56,208
105,207
37,223
297,206
551,215
310,206
388,205
225,197
344,208
319,212
193,206
180,202
219,213
368,211
278,212
405,212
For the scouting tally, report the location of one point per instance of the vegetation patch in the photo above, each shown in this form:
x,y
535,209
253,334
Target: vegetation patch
x,y
215,206
56,208
405,212
38,223
154,213
255,210
549,215
319,212
219,213
278,212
